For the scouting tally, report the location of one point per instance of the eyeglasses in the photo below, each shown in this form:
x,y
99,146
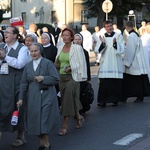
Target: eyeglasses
x,y
7,32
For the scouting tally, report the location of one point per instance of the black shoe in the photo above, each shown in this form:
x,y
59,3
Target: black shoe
x,y
115,104
102,105
138,100
95,64
41,148
45,148
124,100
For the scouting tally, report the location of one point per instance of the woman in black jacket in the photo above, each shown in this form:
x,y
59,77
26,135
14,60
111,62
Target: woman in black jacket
x,y
78,39
50,51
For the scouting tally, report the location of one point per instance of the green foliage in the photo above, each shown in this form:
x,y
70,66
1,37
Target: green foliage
x,y
120,7
93,7
41,25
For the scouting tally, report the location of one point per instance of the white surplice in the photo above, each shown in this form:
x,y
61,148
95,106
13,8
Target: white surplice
x,y
146,44
111,65
134,59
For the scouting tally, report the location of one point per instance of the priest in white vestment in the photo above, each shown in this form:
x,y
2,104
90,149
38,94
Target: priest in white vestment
x,y
111,67
135,81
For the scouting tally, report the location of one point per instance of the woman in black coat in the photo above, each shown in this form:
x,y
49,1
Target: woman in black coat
x,y
50,51
78,39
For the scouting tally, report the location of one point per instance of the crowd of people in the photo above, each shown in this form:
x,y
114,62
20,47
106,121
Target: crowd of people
x,y
45,74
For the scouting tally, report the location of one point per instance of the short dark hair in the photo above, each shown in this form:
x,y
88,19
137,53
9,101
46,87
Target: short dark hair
x,y
129,24
148,23
71,32
15,30
107,22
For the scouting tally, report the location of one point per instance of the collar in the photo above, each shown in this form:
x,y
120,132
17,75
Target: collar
x,y
109,34
133,31
14,46
47,45
37,61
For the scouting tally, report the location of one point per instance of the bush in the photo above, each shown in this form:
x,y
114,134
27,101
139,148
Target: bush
x,y
50,27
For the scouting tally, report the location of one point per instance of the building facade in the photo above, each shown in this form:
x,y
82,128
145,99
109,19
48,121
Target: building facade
x,y
70,12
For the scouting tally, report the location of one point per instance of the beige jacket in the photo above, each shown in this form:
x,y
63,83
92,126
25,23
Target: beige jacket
x,y
77,62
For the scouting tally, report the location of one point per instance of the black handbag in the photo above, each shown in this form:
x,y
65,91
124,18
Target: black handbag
x,y
87,96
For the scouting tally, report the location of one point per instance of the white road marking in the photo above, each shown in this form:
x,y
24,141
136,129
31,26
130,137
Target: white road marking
x,y
128,139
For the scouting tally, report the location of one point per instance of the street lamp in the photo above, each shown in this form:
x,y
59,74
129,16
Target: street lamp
x,y
132,17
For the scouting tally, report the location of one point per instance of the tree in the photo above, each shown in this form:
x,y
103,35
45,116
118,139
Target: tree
x,y
120,8
95,10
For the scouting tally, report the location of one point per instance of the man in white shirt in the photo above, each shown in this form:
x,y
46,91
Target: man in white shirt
x,y
116,28
142,29
96,44
14,56
60,40
87,38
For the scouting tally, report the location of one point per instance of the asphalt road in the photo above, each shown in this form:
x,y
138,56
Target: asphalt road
x,y
101,129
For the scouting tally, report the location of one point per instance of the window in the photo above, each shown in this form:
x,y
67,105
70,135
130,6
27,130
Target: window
x,y
23,14
53,16
84,16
